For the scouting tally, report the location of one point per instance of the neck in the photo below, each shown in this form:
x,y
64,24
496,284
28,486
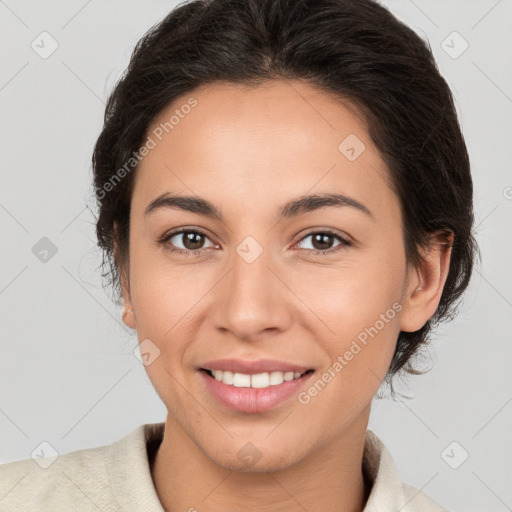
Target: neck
x,y
331,478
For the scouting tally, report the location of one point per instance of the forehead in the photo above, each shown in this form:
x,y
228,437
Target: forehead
x,y
280,138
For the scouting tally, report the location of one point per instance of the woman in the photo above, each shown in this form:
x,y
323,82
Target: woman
x,y
285,205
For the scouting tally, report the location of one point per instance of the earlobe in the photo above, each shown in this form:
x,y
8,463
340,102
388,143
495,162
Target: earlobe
x,y
129,318
425,283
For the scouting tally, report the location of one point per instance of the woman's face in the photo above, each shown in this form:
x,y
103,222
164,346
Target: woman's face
x,y
317,286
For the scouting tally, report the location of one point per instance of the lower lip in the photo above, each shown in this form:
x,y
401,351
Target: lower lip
x,y
252,400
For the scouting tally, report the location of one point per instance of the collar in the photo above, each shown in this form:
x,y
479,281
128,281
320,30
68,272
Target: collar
x,y
131,481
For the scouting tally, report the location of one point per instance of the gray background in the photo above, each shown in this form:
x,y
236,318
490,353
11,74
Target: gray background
x,y
67,372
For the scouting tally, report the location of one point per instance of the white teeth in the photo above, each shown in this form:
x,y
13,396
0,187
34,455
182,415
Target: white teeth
x,y
276,378
227,377
241,380
258,380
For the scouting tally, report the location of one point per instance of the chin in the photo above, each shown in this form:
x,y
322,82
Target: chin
x,y
267,464
251,459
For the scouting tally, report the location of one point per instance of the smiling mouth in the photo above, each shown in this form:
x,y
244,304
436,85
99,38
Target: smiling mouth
x,y
255,380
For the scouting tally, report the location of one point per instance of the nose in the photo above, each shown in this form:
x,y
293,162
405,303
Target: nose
x,y
252,301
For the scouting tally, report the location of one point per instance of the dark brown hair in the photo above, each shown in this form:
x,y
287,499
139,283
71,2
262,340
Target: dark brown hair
x,y
355,50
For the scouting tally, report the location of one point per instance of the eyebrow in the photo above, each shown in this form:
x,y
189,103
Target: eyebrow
x,y
301,205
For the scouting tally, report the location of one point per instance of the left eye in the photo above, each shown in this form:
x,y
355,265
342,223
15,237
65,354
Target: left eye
x,y
319,240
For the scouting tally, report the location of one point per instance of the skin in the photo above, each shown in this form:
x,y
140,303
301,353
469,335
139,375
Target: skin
x,y
248,151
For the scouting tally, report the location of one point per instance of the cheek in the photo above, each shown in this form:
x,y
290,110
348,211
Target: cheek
x,y
163,297
357,359
353,295
163,292
360,305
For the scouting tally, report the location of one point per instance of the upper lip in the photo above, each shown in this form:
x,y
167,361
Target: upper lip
x,y
253,367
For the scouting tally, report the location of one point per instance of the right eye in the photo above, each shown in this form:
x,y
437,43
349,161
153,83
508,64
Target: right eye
x,y
191,240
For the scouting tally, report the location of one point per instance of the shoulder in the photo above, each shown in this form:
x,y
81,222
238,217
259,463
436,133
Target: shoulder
x,y
78,479
109,478
388,491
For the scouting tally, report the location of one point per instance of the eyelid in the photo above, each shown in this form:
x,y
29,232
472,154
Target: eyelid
x,y
329,231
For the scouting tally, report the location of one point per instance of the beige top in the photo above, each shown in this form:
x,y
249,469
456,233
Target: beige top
x,y
117,477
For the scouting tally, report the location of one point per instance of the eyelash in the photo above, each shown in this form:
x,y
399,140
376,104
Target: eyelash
x,y
165,241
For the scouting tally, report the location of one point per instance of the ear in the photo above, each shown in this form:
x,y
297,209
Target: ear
x,y
425,283
128,314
